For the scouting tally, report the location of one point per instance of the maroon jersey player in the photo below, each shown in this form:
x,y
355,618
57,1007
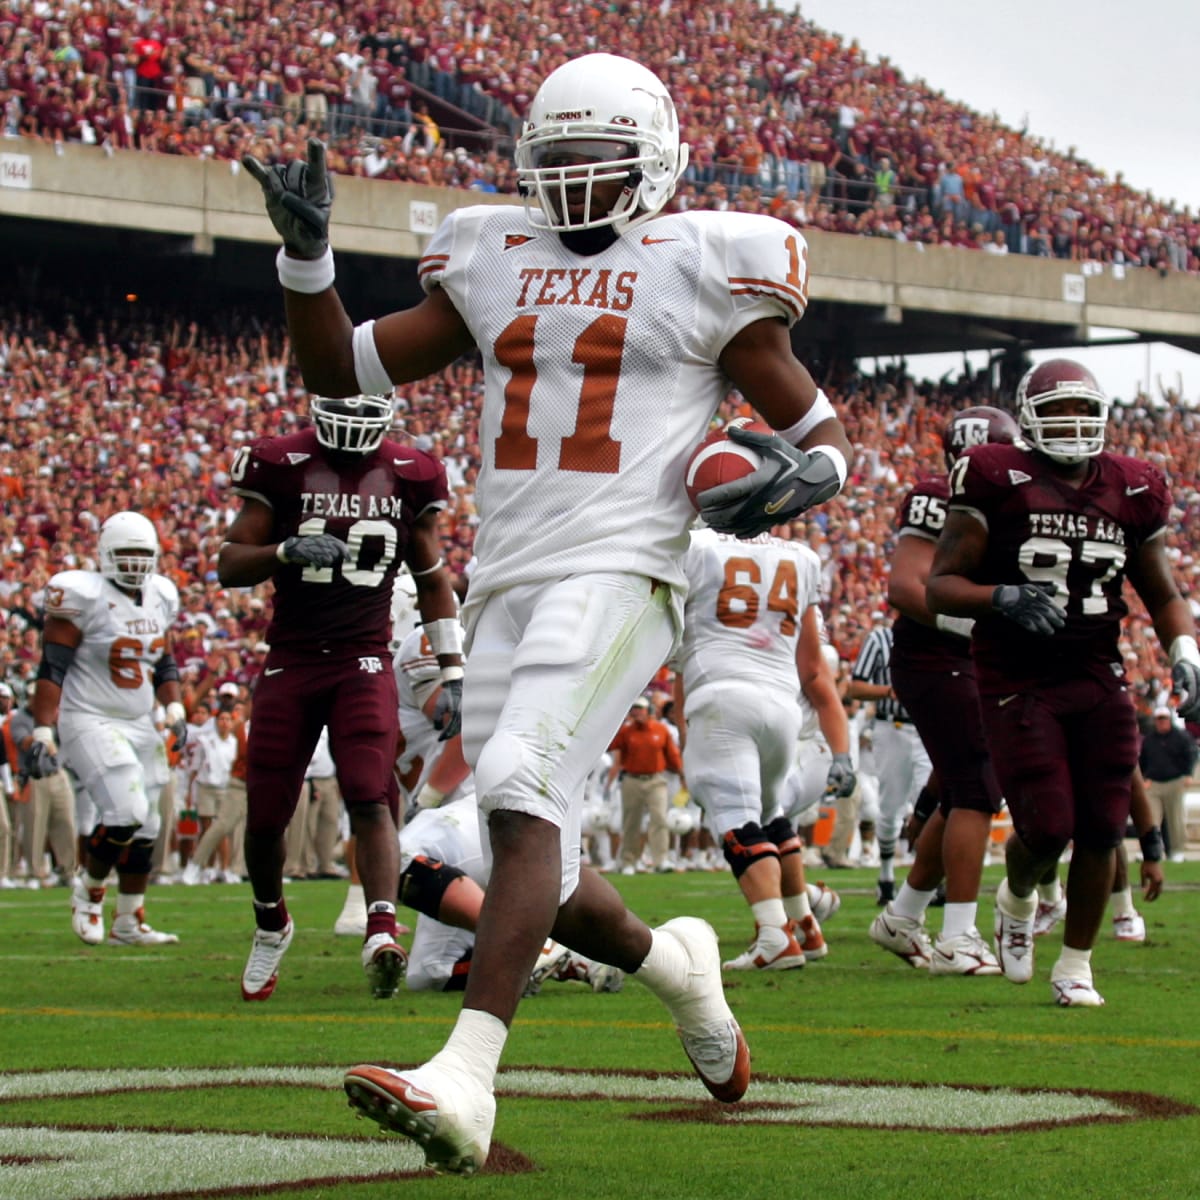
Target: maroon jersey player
x,y
1038,542
934,678
330,514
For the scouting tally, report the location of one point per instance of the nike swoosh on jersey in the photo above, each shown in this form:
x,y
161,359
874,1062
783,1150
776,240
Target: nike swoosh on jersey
x,y
1006,700
647,240
403,462
1130,491
272,670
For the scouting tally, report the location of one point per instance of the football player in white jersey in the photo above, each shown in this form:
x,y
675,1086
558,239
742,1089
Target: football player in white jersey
x,y
609,335
751,638
106,659
444,857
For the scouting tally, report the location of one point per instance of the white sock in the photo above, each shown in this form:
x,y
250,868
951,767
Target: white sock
x,y
666,967
474,1046
1122,903
1072,964
958,918
90,882
911,903
1050,893
1022,907
798,907
128,905
769,914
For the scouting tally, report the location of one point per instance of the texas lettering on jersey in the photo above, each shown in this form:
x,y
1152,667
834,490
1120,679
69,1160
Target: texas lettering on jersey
x,y
601,375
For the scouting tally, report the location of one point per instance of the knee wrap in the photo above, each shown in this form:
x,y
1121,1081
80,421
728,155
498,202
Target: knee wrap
x,y
786,840
137,859
424,882
108,845
745,846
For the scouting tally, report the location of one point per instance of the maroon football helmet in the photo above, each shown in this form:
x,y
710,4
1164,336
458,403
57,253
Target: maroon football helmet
x,y
1064,437
973,427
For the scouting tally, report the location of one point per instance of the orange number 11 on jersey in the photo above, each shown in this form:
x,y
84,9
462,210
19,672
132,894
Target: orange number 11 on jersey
x,y
591,447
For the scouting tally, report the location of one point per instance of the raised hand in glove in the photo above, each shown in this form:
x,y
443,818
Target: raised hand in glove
x,y
299,199
42,761
841,779
447,712
1030,606
177,724
788,482
313,550
1185,682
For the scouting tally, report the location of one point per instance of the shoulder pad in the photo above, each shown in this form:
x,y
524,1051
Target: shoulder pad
x,y
70,593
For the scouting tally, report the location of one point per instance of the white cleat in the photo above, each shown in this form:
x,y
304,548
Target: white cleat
x,y
553,957
905,937
758,957
261,972
1076,993
131,930
1129,928
711,1036
823,900
384,964
1014,945
966,954
87,918
445,1111
1047,916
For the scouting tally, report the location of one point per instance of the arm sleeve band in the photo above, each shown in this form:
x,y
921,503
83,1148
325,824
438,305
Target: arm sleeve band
x,y
821,410
445,635
165,671
56,662
373,380
1152,844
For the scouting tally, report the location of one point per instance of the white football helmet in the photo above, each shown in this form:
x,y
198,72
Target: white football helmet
x,y
616,112
1064,437
353,424
128,549
681,820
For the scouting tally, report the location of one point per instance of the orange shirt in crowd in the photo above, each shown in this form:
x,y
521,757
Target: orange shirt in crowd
x,y
647,748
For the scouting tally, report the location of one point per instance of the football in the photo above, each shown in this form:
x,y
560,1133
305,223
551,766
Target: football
x,y
718,460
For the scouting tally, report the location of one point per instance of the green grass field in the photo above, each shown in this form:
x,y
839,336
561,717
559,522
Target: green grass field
x,y
595,1099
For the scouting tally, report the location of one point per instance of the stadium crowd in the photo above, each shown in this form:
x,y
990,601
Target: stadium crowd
x,y
104,413
781,116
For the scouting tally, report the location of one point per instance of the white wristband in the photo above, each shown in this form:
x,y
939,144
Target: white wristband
x,y
959,626
176,713
307,275
836,457
449,673
821,410
1184,649
429,797
43,734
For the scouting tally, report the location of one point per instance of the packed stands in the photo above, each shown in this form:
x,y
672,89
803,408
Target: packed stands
x,y
781,115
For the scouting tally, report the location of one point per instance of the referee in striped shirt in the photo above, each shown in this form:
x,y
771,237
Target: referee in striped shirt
x,y
901,764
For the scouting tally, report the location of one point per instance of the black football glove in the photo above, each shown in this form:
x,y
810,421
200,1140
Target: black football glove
x,y
1185,682
841,780
789,482
299,199
1029,605
313,550
447,712
43,762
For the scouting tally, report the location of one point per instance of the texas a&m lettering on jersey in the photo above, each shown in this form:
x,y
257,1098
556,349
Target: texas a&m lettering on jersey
x,y
603,374
369,501
1076,540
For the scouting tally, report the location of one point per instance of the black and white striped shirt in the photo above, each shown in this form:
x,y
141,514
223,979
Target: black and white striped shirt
x,y
874,665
